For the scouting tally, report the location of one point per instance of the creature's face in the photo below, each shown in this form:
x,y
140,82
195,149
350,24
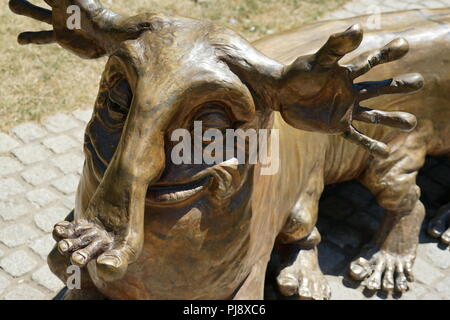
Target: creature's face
x,y
169,96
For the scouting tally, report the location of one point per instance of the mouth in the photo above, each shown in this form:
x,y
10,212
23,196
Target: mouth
x,y
178,192
220,180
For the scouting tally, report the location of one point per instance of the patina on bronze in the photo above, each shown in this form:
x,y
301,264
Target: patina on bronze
x,y
165,72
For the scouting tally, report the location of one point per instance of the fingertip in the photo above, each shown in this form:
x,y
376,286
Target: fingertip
x,y
23,38
397,48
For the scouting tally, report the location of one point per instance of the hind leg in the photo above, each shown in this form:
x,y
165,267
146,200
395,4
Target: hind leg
x,y
59,264
301,275
439,226
386,263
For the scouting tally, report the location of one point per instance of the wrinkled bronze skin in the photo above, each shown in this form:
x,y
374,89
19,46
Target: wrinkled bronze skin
x,y
163,73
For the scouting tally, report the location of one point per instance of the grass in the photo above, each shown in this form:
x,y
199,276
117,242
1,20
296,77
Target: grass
x,y
37,81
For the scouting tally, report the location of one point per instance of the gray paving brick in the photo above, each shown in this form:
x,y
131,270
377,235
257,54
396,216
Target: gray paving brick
x,y
41,197
47,279
46,219
439,257
10,187
78,134
425,272
11,210
69,163
18,263
42,246
443,287
69,201
8,165
39,174
31,153
24,292
4,283
67,184
60,144
340,292
83,115
17,234
7,143
29,131
59,123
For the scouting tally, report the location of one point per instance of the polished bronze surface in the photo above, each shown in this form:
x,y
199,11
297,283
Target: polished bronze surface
x,y
146,228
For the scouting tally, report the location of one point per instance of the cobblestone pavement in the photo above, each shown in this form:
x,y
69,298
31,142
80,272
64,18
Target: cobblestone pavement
x,y
40,165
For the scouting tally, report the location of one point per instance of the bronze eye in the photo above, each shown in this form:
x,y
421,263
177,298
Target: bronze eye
x,y
214,117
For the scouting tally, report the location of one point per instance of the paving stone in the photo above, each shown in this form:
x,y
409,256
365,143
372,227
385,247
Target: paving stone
x,y
439,257
340,292
7,143
8,166
11,210
83,115
43,245
10,187
69,163
59,123
31,153
29,131
78,134
41,197
443,287
47,279
60,144
17,234
47,218
425,272
24,292
4,283
67,184
18,263
69,201
415,291
430,296
39,174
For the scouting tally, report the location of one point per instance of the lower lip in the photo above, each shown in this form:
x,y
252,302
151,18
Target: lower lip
x,y
176,194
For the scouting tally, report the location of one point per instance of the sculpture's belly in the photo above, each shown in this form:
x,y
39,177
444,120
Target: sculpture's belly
x,y
187,256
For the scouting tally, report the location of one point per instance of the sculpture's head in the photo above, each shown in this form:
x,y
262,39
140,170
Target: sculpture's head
x,y
165,74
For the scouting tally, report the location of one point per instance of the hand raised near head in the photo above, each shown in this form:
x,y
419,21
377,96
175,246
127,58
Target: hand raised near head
x,y
318,94
100,29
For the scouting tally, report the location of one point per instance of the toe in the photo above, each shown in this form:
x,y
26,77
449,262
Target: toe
x,y
63,230
439,223
359,269
304,291
287,284
318,292
83,256
401,284
409,271
112,265
388,279
445,238
70,245
374,281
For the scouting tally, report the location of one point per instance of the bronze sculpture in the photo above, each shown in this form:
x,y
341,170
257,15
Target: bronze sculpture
x,y
165,72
